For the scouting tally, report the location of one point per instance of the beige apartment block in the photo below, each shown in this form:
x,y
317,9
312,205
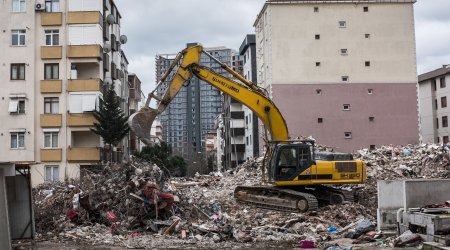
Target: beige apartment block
x,y
58,57
341,71
434,91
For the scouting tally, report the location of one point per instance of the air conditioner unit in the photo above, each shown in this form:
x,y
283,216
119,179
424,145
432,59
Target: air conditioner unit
x,y
40,7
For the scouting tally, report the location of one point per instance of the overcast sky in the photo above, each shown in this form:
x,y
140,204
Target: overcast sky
x,y
165,26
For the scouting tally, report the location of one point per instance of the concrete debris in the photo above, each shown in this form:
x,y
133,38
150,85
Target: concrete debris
x,y
203,210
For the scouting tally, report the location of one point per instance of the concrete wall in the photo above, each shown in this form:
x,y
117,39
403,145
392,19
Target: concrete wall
x,y
393,106
5,237
83,139
19,205
425,192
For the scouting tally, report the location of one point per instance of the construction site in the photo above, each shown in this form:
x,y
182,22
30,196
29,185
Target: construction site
x,y
313,136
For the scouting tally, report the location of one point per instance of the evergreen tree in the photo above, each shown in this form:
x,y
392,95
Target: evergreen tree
x,y
111,122
161,155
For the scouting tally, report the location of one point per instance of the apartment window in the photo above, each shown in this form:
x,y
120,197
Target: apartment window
x,y
246,120
80,102
370,91
317,64
18,37
320,120
318,91
246,140
17,71
444,121
367,63
438,139
51,173
342,24
344,78
317,37
442,82
52,5
51,139
16,106
316,9
18,6
367,35
433,84
343,51
52,37
51,71
372,147
435,104
17,140
443,102
346,107
366,9
348,135
51,105
437,123
445,139
371,118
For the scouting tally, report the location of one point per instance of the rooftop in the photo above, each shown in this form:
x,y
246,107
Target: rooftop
x,y
435,73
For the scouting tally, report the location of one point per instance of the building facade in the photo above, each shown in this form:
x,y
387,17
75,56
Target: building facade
x,y
191,114
59,57
343,72
434,113
133,106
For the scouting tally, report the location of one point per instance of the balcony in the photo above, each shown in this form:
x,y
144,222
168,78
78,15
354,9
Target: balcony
x,y
51,52
83,154
51,120
51,86
51,19
51,155
85,51
84,17
84,85
80,120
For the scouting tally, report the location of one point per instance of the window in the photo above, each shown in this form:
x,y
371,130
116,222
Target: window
x,y
16,106
344,78
51,139
319,120
370,91
438,139
246,140
342,24
52,37
348,135
442,82
246,120
51,105
433,84
367,63
445,139
367,35
444,121
372,147
343,51
346,107
443,102
366,9
316,9
318,91
18,71
317,37
18,6
83,102
52,6
371,118
435,104
51,173
17,140
18,37
437,123
317,64
51,71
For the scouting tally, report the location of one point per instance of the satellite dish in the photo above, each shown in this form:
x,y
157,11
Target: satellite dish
x,y
107,47
110,19
107,80
123,39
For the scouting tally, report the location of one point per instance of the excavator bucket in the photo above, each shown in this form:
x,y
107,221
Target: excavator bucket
x,y
141,123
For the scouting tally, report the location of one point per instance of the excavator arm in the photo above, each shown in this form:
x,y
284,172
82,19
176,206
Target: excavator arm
x,y
244,92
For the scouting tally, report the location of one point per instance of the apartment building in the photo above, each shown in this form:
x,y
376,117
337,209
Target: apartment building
x,y
248,51
58,58
341,71
433,110
135,96
190,116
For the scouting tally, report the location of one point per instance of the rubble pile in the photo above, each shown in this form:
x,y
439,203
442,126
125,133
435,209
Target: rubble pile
x,y
401,162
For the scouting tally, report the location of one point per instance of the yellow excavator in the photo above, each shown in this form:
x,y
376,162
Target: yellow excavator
x,y
299,176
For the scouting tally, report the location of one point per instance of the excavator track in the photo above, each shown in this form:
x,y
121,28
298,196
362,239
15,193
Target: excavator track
x,y
275,198
329,195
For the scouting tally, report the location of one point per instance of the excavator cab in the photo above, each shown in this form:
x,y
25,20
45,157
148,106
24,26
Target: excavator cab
x,y
288,161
